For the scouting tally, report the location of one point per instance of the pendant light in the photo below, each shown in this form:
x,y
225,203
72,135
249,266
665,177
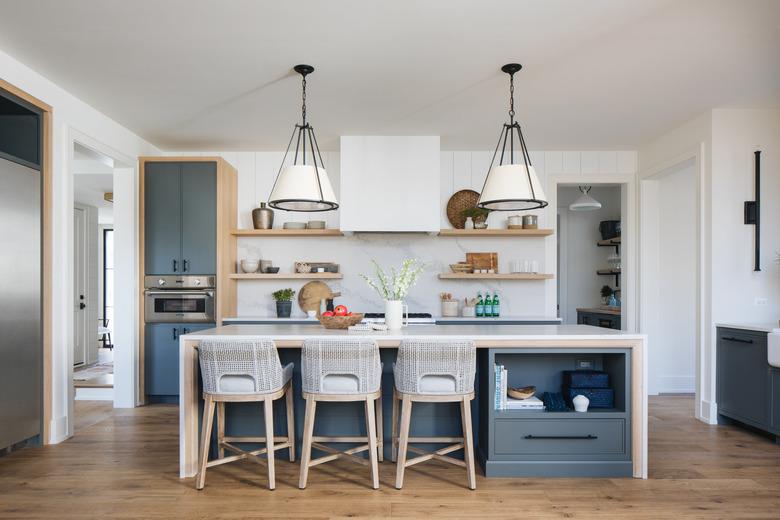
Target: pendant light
x,y
303,186
511,186
585,202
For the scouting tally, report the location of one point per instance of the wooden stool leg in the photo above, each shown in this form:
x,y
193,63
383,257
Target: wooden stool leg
x,y
291,422
372,445
308,432
268,410
468,441
205,440
394,428
406,415
380,430
220,428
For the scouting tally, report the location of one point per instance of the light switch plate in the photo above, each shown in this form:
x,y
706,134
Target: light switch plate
x,y
585,364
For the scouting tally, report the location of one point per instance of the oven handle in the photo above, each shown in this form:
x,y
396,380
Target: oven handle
x,y
196,292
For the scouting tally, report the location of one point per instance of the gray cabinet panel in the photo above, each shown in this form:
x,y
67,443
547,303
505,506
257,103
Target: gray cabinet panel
x,y
162,218
560,438
743,376
776,401
199,217
161,355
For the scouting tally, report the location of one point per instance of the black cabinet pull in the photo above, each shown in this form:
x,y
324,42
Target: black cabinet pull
x,y
185,330
175,266
184,264
561,437
175,333
737,340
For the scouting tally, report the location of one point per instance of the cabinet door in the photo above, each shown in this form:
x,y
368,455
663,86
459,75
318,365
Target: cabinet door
x,y
162,218
743,377
776,401
161,358
199,217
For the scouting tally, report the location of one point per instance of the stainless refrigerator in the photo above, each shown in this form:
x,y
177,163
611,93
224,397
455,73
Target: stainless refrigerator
x,y
21,347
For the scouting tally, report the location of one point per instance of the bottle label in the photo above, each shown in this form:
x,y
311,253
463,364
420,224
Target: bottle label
x,y
480,310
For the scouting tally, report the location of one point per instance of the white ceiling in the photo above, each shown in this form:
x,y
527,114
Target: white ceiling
x,y
209,74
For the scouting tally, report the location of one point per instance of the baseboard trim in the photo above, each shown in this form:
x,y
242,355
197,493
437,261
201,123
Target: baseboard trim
x,y
707,412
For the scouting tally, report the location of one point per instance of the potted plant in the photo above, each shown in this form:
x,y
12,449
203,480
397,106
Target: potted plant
x,y
478,216
606,292
283,299
393,288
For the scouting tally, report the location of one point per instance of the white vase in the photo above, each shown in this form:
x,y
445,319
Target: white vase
x,y
580,403
394,314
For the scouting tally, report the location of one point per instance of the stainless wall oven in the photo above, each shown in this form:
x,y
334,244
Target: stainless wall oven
x,y
179,299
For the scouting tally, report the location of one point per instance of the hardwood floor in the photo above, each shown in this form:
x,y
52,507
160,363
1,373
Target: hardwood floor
x,y
125,466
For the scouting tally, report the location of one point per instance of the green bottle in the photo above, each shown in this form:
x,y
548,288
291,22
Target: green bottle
x,y
480,310
496,306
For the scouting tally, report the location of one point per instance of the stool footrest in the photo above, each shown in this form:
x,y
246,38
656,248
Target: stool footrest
x,y
337,454
438,455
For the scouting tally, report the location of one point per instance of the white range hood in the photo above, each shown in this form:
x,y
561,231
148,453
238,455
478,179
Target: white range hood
x,y
390,184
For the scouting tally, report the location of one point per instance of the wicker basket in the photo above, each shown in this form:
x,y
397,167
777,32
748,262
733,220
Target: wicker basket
x,y
340,322
462,267
460,200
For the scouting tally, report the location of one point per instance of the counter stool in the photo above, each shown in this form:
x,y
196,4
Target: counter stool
x,y
237,372
342,370
433,371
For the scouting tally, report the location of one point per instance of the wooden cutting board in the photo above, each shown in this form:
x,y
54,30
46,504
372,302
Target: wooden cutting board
x,y
311,294
483,260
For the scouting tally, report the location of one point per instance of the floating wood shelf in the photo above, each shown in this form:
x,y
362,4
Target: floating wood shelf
x,y
286,276
495,276
495,232
287,233
609,242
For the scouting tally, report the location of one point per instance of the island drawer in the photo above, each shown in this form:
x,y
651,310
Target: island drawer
x,y
583,438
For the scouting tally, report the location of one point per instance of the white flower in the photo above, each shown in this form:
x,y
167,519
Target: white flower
x,y
397,286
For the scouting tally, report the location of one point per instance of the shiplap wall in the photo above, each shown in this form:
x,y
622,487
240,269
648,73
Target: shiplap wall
x,y
459,170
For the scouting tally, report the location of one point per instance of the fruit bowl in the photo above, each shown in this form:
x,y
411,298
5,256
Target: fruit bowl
x,y
340,322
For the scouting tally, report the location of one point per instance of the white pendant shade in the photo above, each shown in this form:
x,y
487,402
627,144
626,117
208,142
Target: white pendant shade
x,y
585,202
512,187
297,189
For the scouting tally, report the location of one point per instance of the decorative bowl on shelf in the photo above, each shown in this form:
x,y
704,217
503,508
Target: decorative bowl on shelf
x,y
462,267
340,322
271,270
525,392
249,265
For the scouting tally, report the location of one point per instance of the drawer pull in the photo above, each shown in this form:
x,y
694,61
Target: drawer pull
x,y
561,437
737,340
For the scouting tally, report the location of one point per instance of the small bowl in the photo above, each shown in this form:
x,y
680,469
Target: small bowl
x,y
294,225
316,224
271,270
250,266
525,392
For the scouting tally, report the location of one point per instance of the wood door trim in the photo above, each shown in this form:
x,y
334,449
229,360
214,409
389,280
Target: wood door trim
x,y
46,251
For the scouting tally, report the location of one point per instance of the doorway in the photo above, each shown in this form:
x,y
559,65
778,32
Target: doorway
x,y
670,277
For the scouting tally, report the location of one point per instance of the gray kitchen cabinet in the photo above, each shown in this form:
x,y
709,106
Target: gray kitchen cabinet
x,y
161,356
743,382
162,218
598,319
180,217
775,377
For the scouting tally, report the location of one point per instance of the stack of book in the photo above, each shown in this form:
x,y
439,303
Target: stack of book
x,y
503,402
532,403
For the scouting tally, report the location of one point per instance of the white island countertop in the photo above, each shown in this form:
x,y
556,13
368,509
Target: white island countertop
x,y
486,332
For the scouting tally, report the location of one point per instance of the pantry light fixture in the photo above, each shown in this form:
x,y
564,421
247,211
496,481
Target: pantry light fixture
x,y
303,186
585,202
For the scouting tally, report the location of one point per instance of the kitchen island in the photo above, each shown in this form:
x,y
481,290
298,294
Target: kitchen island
x,y
616,442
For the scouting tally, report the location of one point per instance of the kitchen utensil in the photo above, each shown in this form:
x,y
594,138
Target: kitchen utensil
x,y
530,222
525,392
294,225
312,294
249,265
483,260
460,200
271,270
609,229
462,267
265,264
263,217
340,322
316,224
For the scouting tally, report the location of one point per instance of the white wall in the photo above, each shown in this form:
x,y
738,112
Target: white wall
x,y
722,142
70,115
581,286
459,170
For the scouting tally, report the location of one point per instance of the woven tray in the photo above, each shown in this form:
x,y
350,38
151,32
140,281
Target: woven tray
x,y
460,200
340,322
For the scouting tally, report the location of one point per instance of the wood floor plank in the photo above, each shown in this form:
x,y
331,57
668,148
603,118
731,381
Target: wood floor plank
x,y
123,464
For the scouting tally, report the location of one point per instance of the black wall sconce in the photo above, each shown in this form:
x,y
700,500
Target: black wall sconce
x,y
753,212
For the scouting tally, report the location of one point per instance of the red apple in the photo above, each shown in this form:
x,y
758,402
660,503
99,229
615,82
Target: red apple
x,y
327,313
340,310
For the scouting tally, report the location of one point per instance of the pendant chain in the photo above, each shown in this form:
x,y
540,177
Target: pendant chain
x,y
512,98
303,99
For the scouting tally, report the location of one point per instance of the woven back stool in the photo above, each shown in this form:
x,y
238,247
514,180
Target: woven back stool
x,y
243,371
342,370
433,371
